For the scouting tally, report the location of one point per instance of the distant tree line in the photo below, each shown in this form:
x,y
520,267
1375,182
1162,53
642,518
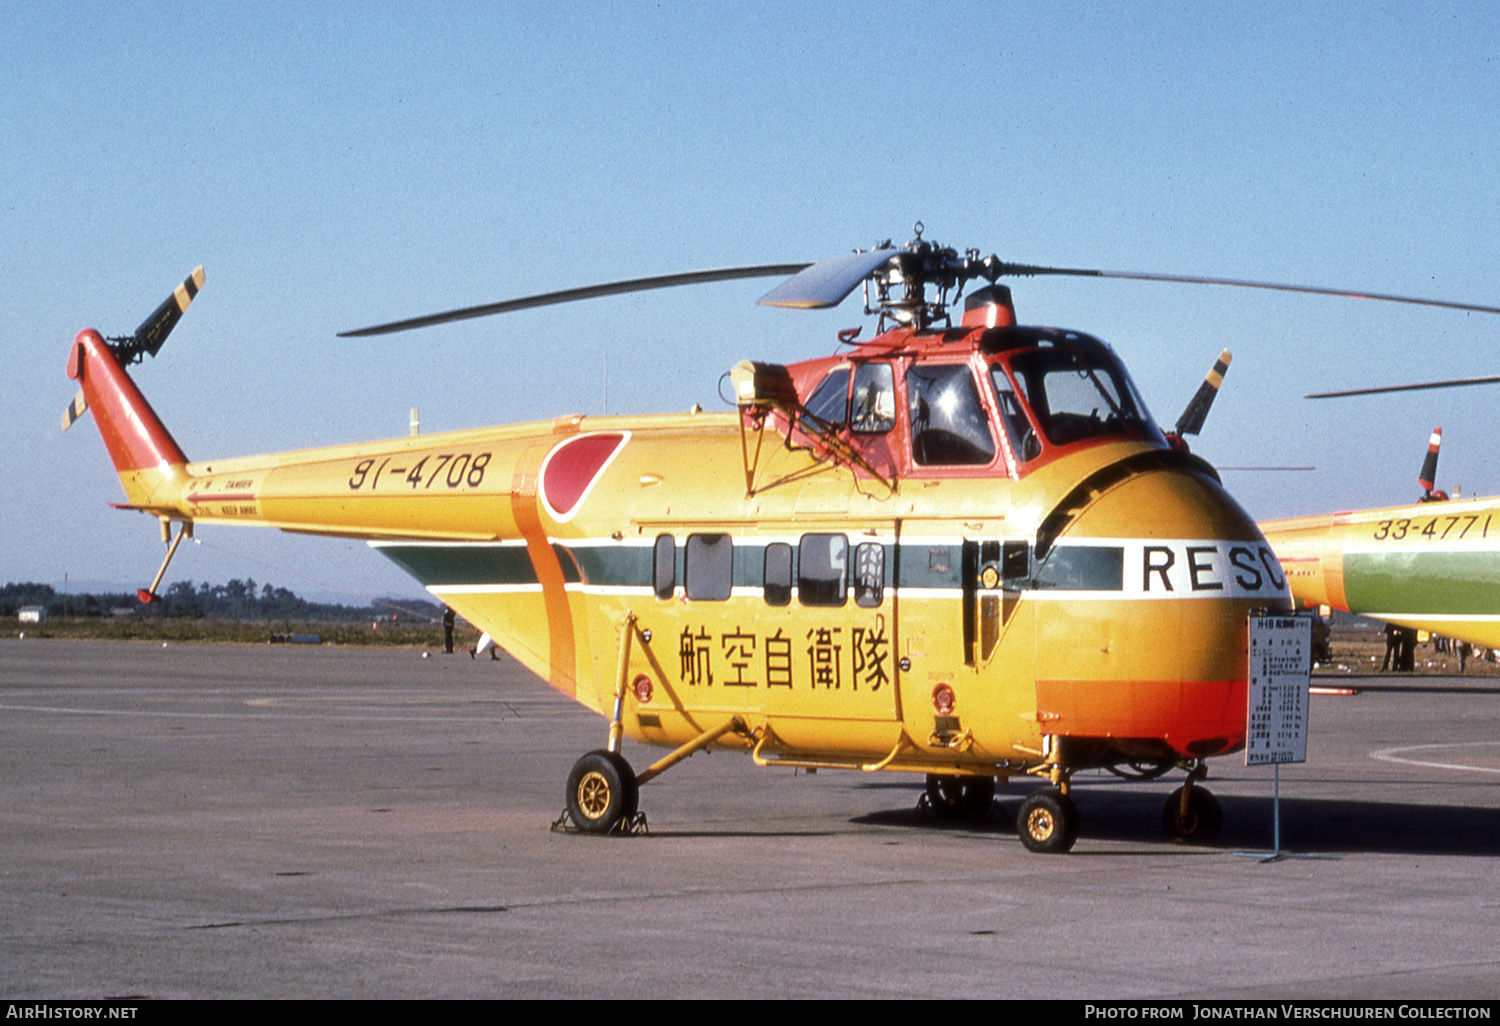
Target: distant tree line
x,y
14,597
236,600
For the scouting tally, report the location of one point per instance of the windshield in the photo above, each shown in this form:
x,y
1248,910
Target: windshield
x,y
1075,395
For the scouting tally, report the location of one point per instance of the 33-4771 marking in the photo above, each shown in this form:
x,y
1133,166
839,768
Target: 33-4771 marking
x,y
443,469
1435,528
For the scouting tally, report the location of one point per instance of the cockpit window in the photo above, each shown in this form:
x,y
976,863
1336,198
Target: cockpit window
x,y
1018,430
948,426
873,410
829,404
1076,395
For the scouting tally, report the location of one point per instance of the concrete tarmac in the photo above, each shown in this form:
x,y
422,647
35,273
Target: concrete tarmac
x,y
202,821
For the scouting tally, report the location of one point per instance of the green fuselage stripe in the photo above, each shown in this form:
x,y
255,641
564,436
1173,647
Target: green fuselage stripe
x,y
920,565
1423,583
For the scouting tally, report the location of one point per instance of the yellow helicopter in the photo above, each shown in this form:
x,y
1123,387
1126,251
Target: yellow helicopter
x,y
963,550
1433,565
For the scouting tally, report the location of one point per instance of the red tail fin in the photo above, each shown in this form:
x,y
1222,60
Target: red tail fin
x,y
132,433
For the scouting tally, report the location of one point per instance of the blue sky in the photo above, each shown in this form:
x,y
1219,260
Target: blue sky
x,y
336,165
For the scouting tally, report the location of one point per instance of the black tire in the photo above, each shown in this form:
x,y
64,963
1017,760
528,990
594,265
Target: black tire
x,y
601,792
1202,822
1048,823
960,798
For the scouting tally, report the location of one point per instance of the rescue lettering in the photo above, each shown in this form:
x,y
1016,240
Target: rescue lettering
x,y
1208,569
1159,559
1197,569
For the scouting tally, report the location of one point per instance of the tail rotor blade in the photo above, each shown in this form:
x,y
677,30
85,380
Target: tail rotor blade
x,y
77,408
1428,477
153,332
1191,421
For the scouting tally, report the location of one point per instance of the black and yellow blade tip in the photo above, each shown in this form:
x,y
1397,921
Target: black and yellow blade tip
x,y
153,332
1191,421
155,329
77,408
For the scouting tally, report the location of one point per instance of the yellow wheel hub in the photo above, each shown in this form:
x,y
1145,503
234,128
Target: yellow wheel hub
x,y
593,795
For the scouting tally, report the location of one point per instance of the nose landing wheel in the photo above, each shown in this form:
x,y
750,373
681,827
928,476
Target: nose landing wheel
x,y
1192,815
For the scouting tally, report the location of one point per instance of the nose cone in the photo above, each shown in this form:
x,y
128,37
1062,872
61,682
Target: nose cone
x,y
1150,584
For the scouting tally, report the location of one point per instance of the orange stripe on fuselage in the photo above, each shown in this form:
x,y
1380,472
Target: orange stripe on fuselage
x,y
526,508
1195,717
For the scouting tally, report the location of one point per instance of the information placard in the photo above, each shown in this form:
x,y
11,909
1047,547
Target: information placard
x,y
1280,667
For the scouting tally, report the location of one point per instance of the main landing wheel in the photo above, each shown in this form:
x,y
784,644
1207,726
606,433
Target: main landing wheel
x,y
601,792
960,798
1200,824
1048,822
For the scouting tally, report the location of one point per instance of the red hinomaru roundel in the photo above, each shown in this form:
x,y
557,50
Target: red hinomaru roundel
x,y
570,470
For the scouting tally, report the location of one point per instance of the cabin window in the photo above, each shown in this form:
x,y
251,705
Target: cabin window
x,y
821,562
1024,443
1076,395
869,574
778,570
1015,561
873,408
664,566
829,404
948,426
708,567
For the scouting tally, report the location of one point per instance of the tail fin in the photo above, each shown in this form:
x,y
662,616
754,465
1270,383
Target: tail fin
x,y
143,451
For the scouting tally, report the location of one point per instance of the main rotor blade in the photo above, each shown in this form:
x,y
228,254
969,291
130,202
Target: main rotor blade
x,y
1028,270
1455,383
1262,469
660,281
1265,468
827,282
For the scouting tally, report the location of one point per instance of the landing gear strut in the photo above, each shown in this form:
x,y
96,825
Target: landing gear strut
x,y
603,792
1192,814
1048,821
